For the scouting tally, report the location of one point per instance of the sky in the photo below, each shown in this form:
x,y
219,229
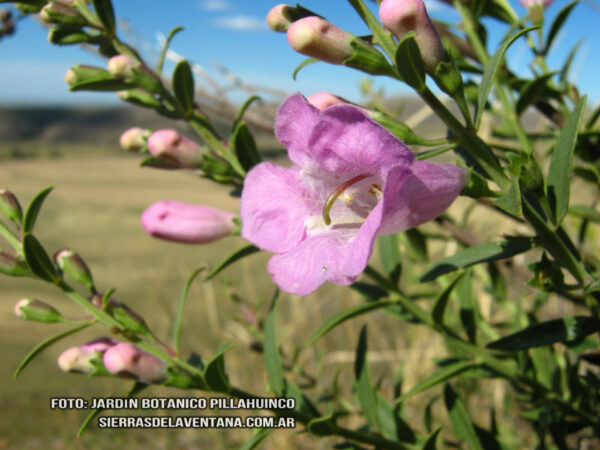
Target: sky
x,y
233,34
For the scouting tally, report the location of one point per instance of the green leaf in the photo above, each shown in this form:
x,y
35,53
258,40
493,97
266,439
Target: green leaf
x,y
234,257
214,373
390,255
106,14
34,209
401,130
417,243
557,25
561,164
180,305
532,91
303,404
463,426
67,36
381,37
441,301
183,87
91,416
564,72
365,393
431,440
477,187
38,260
393,426
157,163
345,315
258,435
243,109
445,373
47,343
490,251
271,350
489,75
409,62
244,146
568,329
163,52
468,306
511,201
302,65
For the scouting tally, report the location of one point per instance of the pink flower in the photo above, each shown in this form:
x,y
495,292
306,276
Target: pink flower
x,y
530,3
351,180
182,222
126,359
322,100
80,359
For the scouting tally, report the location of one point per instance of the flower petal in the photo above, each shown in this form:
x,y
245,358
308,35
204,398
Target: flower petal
x,y
421,196
295,117
273,208
346,140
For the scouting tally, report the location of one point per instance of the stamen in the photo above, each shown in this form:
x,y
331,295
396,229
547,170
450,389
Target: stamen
x,y
336,193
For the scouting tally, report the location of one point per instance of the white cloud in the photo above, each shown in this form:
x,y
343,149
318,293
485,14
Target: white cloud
x,y
215,5
241,22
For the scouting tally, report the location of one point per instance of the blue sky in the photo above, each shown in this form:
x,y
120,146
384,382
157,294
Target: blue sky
x,y
233,33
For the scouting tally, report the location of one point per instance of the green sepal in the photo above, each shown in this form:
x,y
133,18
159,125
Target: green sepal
x,y
139,97
409,62
367,58
89,78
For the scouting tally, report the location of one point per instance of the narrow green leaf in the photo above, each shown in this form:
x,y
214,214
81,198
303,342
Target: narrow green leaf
x,y
271,350
243,109
532,91
244,146
106,14
47,343
381,37
409,62
258,435
163,52
444,374
362,385
490,251
468,307
234,257
566,69
564,330
390,254
393,426
345,315
489,75
561,164
431,440
462,423
302,65
441,301
214,374
557,25
34,209
38,260
403,131
180,305
417,242
91,416
303,404
183,87
157,163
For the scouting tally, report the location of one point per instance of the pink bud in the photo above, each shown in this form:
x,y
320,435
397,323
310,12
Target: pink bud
x,y
402,16
70,77
183,222
175,148
322,100
100,345
127,360
134,139
76,359
278,18
122,66
531,3
320,39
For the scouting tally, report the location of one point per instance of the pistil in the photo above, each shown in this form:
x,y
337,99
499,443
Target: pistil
x,y
334,195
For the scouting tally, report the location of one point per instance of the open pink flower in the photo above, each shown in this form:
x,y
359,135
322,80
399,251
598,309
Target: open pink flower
x,y
351,181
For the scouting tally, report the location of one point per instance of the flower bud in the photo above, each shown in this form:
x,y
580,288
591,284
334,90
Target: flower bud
x,y
320,39
83,74
531,3
86,358
10,206
128,360
182,222
134,139
60,14
121,66
139,97
37,311
72,264
402,16
175,148
279,18
13,265
100,344
322,100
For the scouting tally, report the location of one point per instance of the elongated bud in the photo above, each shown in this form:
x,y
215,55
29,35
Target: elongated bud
x,y
13,265
182,222
322,100
320,39
280,17
402,16
37,311
121,66
139,97
60,14
88,358
72,264
80,74
175,148
129,361
10,207
134,139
